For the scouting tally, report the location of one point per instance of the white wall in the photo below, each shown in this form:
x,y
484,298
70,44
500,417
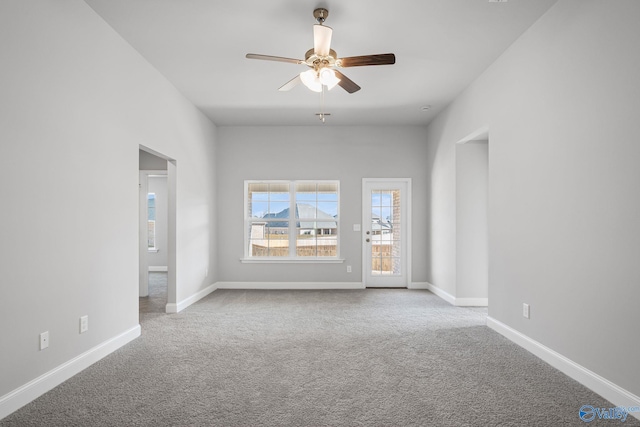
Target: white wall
x,y
316,152
76,104
561,105
148,161
158,186
472,246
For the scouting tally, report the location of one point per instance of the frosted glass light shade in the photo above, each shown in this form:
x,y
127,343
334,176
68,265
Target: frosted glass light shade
x,y
328,78
310,79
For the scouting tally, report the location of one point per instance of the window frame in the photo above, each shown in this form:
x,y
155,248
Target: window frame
x,y
292,228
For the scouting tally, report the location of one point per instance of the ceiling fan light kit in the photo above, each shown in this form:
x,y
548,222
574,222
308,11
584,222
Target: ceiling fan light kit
x,y
323,61
328,78
311,80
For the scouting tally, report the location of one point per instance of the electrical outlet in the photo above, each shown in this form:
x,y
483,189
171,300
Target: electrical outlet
x,y
84,324
44,340
525,310
348,269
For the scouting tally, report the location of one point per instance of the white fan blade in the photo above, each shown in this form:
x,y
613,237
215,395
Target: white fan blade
x,y
321,39
290,84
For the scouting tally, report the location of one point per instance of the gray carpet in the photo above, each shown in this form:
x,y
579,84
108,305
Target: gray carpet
x,y
315,358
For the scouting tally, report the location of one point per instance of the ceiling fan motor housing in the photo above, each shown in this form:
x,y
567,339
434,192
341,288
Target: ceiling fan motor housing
x,y
316,62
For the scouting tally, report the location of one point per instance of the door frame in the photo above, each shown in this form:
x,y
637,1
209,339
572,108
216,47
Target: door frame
x,y
366,217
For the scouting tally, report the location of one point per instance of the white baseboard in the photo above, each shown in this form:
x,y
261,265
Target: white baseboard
x,y
605,388
418,285
458,302
472,302
158,268
178,307
290,285
442,294
19,397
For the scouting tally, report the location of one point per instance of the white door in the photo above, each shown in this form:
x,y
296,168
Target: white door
x,y
385,232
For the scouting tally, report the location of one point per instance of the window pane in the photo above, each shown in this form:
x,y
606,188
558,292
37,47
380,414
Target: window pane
x,y
257,199
278,210
306,191
317,239
328,200
268,200
386,198
151,220
396,198
317,200
327,238
395,230
327,247
151,206
259,209
306,210
327,210
258,187
328,187
151,234
306,242
279,187
269,239
395,266
278,234
386,267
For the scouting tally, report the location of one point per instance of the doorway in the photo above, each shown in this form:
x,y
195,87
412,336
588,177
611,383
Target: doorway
x,y
386,225
157,251
472,231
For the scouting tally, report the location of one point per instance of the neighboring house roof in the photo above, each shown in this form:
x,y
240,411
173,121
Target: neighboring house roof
x,y
306,211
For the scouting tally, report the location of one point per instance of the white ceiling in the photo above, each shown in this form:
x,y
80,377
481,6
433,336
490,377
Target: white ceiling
x,y
441,46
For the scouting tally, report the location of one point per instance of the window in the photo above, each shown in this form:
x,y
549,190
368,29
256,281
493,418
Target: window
x,y
292,220
151,221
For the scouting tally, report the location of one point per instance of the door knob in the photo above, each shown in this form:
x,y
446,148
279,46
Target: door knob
x,y
367,240
368,232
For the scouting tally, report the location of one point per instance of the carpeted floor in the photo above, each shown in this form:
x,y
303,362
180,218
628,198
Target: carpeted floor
x,y
315,358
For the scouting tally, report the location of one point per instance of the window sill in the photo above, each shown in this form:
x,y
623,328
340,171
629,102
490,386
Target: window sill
x,y
309,260
153,250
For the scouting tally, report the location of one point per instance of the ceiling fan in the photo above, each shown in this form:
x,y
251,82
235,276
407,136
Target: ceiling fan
x,y
323,61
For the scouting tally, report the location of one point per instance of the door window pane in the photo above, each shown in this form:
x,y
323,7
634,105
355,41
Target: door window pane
x,y
385,232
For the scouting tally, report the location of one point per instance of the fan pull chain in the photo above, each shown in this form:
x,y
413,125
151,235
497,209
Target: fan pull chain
x,y
322,105
322,115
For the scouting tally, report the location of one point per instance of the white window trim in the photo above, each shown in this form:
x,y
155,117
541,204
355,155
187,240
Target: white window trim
x,y
292,221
